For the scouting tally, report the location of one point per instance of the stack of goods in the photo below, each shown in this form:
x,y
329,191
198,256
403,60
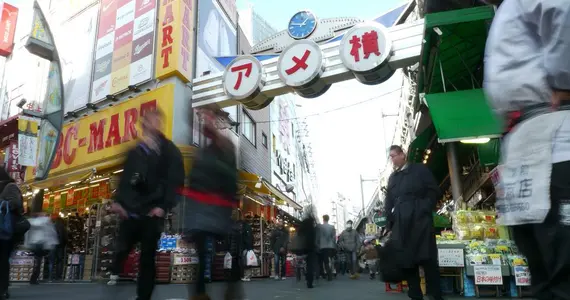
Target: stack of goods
x,y
109,225
76,233
494,252
74,266
163,262
218,272
22,266
88,267
184,273
90,229
131,266
475,225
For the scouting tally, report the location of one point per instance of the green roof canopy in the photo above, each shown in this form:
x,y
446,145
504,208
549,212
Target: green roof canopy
x,y
462,115
420,144
454,45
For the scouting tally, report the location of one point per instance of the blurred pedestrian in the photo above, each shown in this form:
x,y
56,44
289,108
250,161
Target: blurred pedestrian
x,y
210,199
527,81
349,241
41,239
57,255
411,198
279,241
371,255
152,173
10,192
307,245
326,236
246,232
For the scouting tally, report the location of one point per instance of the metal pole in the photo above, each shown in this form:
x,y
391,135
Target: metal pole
x,y
454,171
362,194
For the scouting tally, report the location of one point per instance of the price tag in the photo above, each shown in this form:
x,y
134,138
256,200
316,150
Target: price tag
x,y
182,259
488,275
522,276
451,257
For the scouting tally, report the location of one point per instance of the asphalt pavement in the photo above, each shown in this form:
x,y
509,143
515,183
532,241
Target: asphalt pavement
x,y
261,289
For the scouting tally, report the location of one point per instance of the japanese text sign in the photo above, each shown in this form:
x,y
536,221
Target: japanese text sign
x,y
522,276
300,64
451,257
8,21
110,132
175,39
488,275
243,77
365,47
184,259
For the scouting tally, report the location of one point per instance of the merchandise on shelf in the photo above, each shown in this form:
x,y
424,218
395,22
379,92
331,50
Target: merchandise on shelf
x,y
478,225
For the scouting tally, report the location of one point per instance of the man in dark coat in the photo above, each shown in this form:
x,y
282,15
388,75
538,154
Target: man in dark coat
x,y
279,240
411,198
210,199
152,173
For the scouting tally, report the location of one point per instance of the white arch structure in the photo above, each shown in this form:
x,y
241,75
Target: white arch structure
x,y
406,44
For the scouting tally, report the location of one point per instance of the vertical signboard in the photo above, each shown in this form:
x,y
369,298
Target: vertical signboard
x,y
125,46
76,42
175,39
41,43
12,165
9,18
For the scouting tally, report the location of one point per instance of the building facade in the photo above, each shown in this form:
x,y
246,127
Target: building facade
x,y
255,27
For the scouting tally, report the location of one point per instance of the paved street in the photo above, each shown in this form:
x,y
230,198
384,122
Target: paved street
x,y
263,289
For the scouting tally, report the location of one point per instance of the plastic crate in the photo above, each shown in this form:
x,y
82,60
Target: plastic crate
x,y
468,286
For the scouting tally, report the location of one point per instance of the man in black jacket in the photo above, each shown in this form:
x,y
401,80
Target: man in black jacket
x,y
153,171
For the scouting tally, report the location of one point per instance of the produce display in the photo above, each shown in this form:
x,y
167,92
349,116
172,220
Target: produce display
x,y
475,225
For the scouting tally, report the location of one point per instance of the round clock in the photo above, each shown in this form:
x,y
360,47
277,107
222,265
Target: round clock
x,y
302,25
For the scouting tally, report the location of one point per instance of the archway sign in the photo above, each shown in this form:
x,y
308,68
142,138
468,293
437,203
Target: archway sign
x,y
41,43
309,63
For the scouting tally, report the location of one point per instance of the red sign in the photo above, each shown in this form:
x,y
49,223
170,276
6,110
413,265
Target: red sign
x,y
69,201
368,43
7,29
12,165
245,67
300,63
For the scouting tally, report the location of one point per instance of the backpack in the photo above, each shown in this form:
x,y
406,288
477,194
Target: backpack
x,y
6,229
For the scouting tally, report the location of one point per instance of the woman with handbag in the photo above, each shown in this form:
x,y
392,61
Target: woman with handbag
x,y
10,193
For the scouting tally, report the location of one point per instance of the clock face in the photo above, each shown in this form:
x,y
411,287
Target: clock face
x,y
302,25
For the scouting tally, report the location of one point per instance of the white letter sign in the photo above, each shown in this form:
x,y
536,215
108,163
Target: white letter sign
x,y
243,79
365,50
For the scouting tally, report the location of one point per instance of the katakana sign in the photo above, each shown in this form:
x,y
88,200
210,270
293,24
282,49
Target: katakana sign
x,y
300,64
243,78
365,50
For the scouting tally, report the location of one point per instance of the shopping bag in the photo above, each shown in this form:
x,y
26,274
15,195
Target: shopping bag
x,y
251,259
228,261
390,263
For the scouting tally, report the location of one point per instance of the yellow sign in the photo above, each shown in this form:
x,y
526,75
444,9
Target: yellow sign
x,y
175,39
109,132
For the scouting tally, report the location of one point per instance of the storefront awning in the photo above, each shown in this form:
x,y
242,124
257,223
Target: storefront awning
x,y
453,50
281,196
253,182
462,115
421,145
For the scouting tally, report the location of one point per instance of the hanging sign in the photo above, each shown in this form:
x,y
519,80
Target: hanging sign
x,y
301,66
488,275
243,79
522,276
451,257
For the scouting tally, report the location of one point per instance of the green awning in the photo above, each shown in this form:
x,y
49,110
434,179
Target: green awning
x,y
462,115
454,44
419,146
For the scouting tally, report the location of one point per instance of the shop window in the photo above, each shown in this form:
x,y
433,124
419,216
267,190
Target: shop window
x,y
248,128
264,139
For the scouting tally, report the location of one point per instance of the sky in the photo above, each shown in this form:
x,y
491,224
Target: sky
x,y
349,141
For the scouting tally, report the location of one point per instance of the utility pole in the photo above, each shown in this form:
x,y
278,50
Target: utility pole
x,y
362,180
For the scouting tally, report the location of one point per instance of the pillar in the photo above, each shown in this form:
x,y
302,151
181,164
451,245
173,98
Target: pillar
x,y
454,170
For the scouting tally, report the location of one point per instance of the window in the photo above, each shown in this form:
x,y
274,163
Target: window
x,y
264,139
273,143
232,115
248,128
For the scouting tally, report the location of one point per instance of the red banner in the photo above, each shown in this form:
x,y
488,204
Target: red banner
x,y
69,201
7,28
12,165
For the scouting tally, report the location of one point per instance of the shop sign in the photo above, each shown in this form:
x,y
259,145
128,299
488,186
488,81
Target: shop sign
x,y
112,131
488,275
243,79
8,23
380,219
301,66
27,140
124,51
522,276
451,257
12,162
175,39
284,167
